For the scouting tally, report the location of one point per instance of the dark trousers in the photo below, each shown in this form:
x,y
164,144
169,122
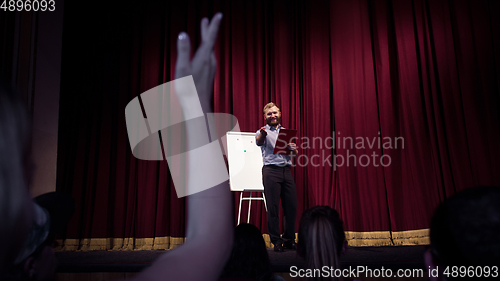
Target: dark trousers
x,y
279,184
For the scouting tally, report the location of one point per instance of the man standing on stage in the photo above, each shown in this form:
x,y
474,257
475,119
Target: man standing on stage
x,y
278,180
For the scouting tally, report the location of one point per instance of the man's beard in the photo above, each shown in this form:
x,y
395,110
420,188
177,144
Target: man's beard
x,y
272,122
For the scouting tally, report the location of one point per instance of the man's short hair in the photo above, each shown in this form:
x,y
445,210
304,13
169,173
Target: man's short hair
x,y
269,105
465,228
52,212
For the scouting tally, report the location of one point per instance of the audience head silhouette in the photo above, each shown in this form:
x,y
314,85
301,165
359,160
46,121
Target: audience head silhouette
x,y
249,258
321,237
15,169
465,228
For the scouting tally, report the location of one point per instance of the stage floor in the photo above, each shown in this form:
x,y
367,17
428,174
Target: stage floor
x,y
393,257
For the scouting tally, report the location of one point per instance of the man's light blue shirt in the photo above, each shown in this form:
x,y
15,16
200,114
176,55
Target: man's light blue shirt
x,y
268,147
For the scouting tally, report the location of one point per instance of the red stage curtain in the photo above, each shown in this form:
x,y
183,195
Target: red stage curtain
x,y
420,74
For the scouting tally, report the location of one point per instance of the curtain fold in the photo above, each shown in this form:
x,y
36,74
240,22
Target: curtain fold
x,y
396,104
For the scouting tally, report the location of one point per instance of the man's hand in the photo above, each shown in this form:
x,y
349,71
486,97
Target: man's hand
x,y
293,147
263,131
203,65
262,136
